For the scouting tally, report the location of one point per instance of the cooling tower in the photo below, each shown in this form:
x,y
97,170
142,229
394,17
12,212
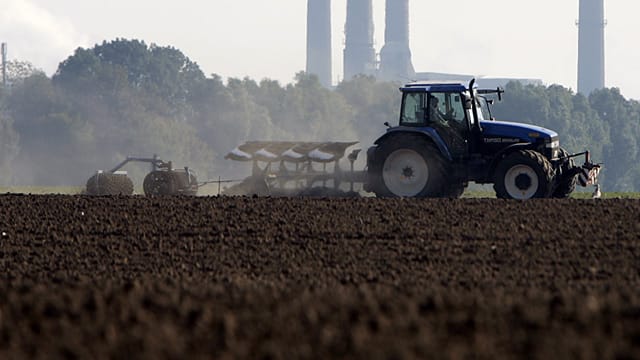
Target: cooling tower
x,y
3,51
591,46
395,56
319,40
359,54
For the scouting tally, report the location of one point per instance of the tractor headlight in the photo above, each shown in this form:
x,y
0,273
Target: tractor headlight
x,y
553,145
552,148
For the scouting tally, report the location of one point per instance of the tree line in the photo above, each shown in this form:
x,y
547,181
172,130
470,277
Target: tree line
x,y
126,98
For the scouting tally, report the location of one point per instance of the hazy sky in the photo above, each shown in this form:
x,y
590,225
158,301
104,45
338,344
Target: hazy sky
x,y
266,39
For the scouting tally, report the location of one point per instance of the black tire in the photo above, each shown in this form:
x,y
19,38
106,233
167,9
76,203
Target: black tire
x,y
160,183
109,184
407,166
524,174
566,180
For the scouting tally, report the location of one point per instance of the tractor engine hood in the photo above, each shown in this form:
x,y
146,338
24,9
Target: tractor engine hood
x,y
524,132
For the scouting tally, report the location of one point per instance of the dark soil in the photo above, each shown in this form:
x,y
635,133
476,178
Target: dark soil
x,y
186,277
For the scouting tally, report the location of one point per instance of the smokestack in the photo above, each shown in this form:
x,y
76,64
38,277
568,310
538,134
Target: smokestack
x,y
395,56
591,46
319,40
3,50
359,54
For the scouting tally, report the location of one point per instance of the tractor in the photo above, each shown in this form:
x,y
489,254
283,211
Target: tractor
x,y
446,138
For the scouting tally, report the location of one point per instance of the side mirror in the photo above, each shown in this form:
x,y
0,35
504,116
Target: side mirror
x,y
468,104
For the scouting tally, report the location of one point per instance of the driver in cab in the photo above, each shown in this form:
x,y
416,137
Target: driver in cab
x,y
447,126
435,115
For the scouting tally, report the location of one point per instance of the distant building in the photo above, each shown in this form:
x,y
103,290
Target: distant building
x,y
591,72
359,53
3,57
395,56
319,40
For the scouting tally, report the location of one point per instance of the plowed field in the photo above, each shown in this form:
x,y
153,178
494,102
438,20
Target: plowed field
x,y
135,277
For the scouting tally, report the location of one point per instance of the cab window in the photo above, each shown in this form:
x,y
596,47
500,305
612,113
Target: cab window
x,y
413,109
483,108
447,107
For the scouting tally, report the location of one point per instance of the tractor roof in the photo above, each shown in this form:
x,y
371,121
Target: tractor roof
x,y
435,86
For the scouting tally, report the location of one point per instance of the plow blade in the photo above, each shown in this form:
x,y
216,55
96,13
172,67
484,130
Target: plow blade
x,y
274,151
295,168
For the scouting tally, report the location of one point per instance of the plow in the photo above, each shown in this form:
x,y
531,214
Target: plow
x,y
446,137
281,168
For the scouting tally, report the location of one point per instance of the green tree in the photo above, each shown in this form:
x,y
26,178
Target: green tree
x,y
164,75
313,113
18,70
119,98
9,147
51,132
372,103
621,153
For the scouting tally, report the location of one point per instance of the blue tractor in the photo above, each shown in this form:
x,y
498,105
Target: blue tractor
x,y
447,138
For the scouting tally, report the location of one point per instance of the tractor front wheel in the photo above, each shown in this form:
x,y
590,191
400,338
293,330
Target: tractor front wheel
x,y
408,166
566,182
522,175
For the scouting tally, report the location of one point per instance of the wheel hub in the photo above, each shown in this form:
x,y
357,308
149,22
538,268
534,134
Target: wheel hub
x,y
523,181
405,173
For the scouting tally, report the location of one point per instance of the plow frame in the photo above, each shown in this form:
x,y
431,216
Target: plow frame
x,y
284,171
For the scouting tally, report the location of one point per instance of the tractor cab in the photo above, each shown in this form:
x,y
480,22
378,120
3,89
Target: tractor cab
x,y
444,110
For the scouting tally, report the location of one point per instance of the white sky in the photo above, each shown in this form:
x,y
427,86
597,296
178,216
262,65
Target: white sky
x,y
266,39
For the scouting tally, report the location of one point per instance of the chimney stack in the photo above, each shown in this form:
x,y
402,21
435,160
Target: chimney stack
x,y
359,54
395,56
591,73
3,50
319,40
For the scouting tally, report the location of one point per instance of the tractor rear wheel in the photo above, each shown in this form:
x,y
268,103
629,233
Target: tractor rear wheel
x,y
522,175
408,166
566,183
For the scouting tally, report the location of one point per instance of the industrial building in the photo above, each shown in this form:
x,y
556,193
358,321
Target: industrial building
x,y
359,53
394,61
591,46
319,40
3,54
395,56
